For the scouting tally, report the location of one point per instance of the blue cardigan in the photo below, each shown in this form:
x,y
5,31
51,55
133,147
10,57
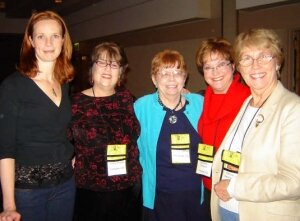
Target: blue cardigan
x,y
151,115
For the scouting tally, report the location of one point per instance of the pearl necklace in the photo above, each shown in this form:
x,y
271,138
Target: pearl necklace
x,y
173,117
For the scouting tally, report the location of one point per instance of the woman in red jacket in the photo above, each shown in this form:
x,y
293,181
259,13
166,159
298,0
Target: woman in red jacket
x,y
222,101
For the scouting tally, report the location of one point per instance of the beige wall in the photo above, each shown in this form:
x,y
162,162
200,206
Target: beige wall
x,y
139,80
140,55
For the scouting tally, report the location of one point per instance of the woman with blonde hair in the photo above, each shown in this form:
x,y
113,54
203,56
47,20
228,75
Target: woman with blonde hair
x,y
267,132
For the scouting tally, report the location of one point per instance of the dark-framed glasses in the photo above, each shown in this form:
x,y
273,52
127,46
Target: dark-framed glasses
x,y
261,60
104,63
219,67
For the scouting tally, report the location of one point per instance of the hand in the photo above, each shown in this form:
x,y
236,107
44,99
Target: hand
x,y
221,190
10,215
73,162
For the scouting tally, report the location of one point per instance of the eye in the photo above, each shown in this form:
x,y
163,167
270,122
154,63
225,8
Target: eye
x,y
114,65
207,68
246,58
56,36
222,64
39,37
176,72
163,72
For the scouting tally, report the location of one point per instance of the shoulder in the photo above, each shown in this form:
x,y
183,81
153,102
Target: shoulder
x,y
284,102
284,96
125,93
145,103
194,99
145,99
15,78
14,83
288,98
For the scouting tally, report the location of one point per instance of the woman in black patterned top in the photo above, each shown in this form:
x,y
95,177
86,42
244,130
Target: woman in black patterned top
x,y
104,130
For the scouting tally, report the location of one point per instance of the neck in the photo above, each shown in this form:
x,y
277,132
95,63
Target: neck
x,y
98,92
171,103
47,69
259,96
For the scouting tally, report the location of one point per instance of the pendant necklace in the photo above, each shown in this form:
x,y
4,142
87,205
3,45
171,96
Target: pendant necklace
x,y
53,92
173,117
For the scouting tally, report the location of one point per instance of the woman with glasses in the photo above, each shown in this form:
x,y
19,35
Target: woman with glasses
x,y
223,98
168,143
104,130
267,132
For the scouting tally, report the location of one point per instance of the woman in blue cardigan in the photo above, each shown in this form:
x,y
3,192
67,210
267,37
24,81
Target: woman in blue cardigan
x,y
168,143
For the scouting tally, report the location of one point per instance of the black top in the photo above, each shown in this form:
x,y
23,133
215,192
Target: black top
x,y
97,122
33,129
176,177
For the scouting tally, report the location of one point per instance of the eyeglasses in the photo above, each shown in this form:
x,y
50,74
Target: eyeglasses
x,y
166,73
104,63
261,60
219,67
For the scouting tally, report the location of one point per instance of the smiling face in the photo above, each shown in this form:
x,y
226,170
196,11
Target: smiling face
x,y
218,72
259,76
169,81
47,40
106,73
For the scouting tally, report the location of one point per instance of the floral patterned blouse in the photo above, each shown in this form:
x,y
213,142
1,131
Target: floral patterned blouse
x,y
98,122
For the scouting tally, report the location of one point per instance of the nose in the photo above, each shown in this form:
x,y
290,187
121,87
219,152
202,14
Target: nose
x,y
48,41
214,71
108,66
256,63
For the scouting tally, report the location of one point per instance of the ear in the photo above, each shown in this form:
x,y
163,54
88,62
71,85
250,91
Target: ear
x,y
153,77
233,66
277,67
31,41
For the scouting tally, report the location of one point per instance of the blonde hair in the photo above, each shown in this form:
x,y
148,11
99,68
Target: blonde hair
x,y
259,38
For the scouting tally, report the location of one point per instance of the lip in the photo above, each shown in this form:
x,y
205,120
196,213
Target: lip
x,y
257,75
218,79
171,86
107,76
48,51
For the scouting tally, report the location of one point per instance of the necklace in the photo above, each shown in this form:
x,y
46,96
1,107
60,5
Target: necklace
x,y
173,117
54,93
259,120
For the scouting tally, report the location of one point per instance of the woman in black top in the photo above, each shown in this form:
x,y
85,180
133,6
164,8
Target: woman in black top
x,y
35,166
104,130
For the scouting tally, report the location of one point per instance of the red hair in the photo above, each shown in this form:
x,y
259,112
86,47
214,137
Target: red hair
x,y
63,70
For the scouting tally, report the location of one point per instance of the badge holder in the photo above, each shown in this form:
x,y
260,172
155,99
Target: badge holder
x,y
116,160
180,149
205,159
231,163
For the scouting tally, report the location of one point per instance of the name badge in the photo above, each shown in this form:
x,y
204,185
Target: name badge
x,y
230,157
205,159
116,159
231,162
180,149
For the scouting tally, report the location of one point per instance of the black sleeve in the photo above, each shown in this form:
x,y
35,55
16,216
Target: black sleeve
x,y
8,117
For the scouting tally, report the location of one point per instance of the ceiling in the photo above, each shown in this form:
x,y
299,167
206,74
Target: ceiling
x,y
24,8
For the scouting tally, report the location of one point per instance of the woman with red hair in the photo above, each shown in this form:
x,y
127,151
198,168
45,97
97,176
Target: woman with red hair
x,y
35,155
